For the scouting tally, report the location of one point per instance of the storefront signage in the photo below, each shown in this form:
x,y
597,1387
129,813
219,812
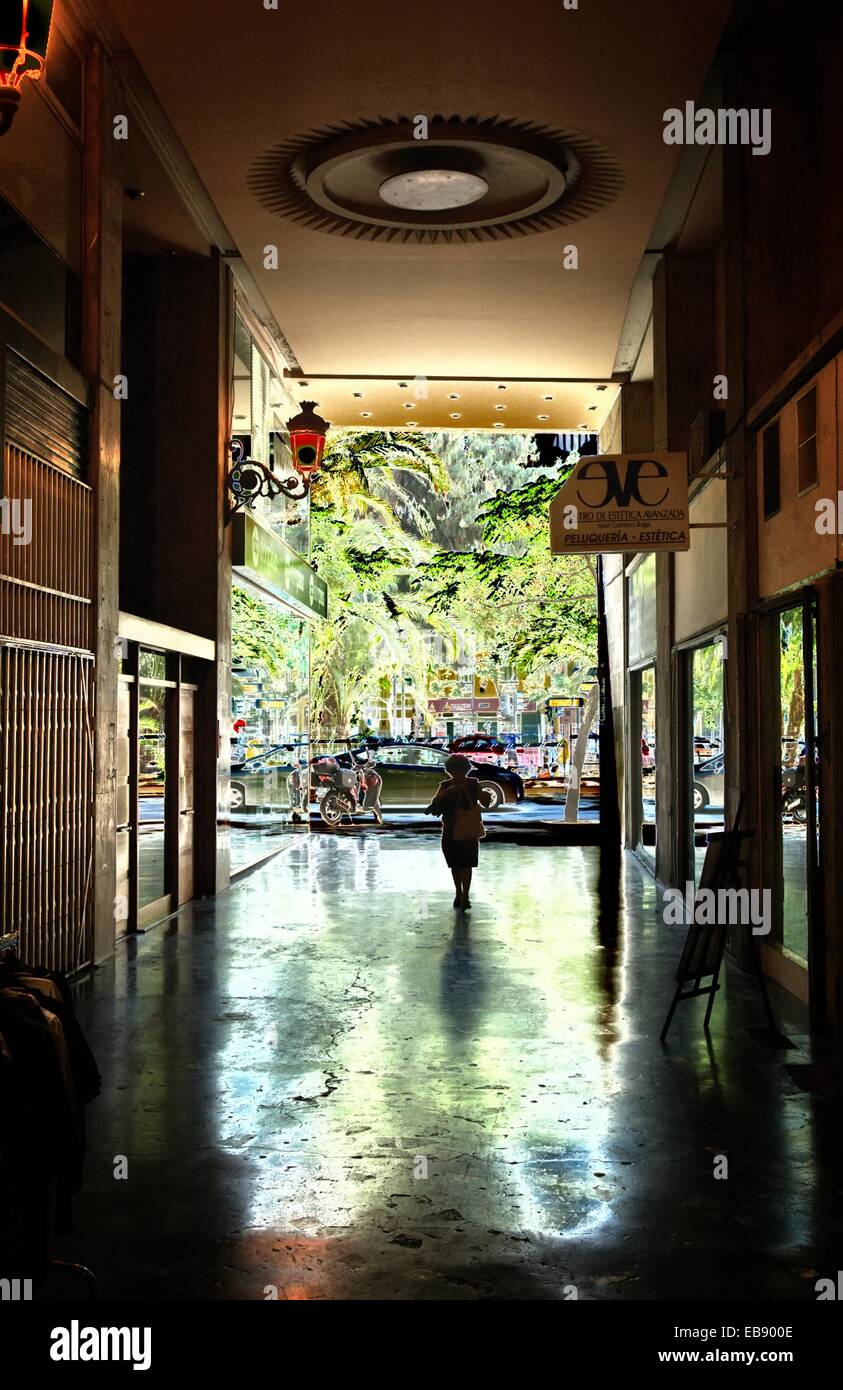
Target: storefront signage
x,y
622,502
466,706
275,568
560,711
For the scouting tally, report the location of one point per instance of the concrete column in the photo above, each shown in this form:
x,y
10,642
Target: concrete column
x,y
187,557
101,363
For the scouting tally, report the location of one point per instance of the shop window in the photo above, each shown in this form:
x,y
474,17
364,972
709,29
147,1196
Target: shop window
x,y
642,608
707,748
152,665
643,702
798,818
152,788
270,726
772,470
806,419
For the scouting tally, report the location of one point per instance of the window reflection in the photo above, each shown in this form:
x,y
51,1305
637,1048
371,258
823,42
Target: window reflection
x,y
152,782
707,749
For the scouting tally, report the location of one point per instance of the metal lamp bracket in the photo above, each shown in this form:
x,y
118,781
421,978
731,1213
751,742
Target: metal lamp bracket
x,y
247,480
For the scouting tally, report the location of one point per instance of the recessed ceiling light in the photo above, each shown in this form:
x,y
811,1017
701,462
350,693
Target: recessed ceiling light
x,y
367,414
408,405
455,415
602,388
414,424
358,395
544,417
402,386
498,425
305,384
582,427
500,407
592,407
453,396
548,398
501,388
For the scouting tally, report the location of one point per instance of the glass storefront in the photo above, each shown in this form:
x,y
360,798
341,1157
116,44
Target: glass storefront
x,y
276,595
647,689
706,750
155,758
152,791
270,729
799,821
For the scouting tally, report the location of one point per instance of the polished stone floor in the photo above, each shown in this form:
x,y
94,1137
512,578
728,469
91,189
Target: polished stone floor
x,y
325,1082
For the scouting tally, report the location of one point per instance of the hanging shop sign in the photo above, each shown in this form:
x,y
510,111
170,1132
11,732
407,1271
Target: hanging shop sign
x,y
275,569
622,502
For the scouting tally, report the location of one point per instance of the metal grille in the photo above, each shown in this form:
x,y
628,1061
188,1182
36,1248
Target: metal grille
x,y
46,676
46,811
46,584
42,418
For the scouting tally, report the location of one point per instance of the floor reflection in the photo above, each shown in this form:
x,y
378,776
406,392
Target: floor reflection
x,y
328,1082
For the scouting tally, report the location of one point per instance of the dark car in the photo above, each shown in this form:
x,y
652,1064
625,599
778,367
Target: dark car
x,y
411,773
262,780
708,783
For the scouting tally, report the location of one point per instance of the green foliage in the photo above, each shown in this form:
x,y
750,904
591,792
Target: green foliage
x,y
364,475
708,685
415,533
366,532
533,608
261,635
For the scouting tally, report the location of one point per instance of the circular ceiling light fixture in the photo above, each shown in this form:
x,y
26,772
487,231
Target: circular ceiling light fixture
x,y
433,190
498,425
453,395
544,417
455,415
478,178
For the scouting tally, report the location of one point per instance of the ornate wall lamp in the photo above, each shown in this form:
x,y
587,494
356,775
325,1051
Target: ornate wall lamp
x,y
24,35
248,480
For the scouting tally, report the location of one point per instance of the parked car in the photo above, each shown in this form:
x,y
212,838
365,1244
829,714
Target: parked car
x,y
262,780
708,784
411,772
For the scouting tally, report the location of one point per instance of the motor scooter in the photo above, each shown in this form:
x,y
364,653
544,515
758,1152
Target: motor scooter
x,y
794,801
347,791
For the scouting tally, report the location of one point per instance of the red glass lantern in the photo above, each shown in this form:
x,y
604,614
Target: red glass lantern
x,y
24,36
307,440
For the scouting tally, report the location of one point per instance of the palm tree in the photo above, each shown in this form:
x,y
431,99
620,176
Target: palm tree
x,y
360,475
367,530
